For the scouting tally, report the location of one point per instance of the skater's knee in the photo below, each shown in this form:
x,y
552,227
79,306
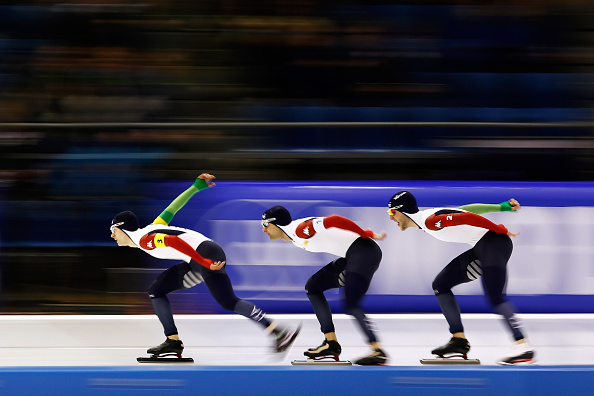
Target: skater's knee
x,y
496,300
311,288
153,295
351,310
228,303
155,292
351,307
308,286
312,292
439,288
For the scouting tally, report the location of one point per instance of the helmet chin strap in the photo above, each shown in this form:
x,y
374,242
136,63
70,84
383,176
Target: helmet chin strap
x,y
411,216
282,228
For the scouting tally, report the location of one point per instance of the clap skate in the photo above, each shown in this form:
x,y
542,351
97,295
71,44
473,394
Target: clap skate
x,y
163,353
284,338
520,354
454,352
326,354
377,358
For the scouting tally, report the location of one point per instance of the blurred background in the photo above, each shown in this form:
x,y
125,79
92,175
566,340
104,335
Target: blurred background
x,y
105,102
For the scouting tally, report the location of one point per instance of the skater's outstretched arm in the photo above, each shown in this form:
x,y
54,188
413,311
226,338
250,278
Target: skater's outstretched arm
x,y
479,208
202,182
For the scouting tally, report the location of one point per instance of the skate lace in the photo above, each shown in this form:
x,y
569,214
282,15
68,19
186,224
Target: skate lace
x,y
518,349
324,343
164,344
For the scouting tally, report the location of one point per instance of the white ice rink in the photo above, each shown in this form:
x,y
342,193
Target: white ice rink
x,y
221,340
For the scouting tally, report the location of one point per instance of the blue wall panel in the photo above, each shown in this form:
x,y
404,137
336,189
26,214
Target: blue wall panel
x,y
282,380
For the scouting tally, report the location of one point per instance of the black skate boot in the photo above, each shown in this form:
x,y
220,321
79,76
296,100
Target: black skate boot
x,y
284,338
168,347
377,358
328,349
455,346
168,352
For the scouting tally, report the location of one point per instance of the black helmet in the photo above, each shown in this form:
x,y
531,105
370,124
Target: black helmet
x,y
125,221
404,202
277,215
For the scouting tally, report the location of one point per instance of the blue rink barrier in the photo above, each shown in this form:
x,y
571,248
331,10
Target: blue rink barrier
x,y
289,380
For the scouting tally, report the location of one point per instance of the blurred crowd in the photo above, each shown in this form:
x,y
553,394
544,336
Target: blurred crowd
x,y
177,61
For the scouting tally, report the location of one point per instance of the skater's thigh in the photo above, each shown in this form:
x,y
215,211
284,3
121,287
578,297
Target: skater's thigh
x,y
456,272
355,288
495,278
363,257
494,281
494,251
171,280
328,277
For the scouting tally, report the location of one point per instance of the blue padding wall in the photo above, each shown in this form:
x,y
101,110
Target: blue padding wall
x,y
282,380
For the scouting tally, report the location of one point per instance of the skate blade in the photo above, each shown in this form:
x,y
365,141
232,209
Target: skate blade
x,y
313,362
160,359
287,347
441,360
518,363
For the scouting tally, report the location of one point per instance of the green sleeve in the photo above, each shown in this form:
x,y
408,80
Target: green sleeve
x,y
480,208
167,215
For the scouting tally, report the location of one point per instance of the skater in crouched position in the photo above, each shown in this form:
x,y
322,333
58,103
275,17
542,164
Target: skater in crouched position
x,y
359,258
202,260
487,258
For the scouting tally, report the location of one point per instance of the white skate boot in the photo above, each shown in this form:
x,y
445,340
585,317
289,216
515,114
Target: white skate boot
x,y
520,354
